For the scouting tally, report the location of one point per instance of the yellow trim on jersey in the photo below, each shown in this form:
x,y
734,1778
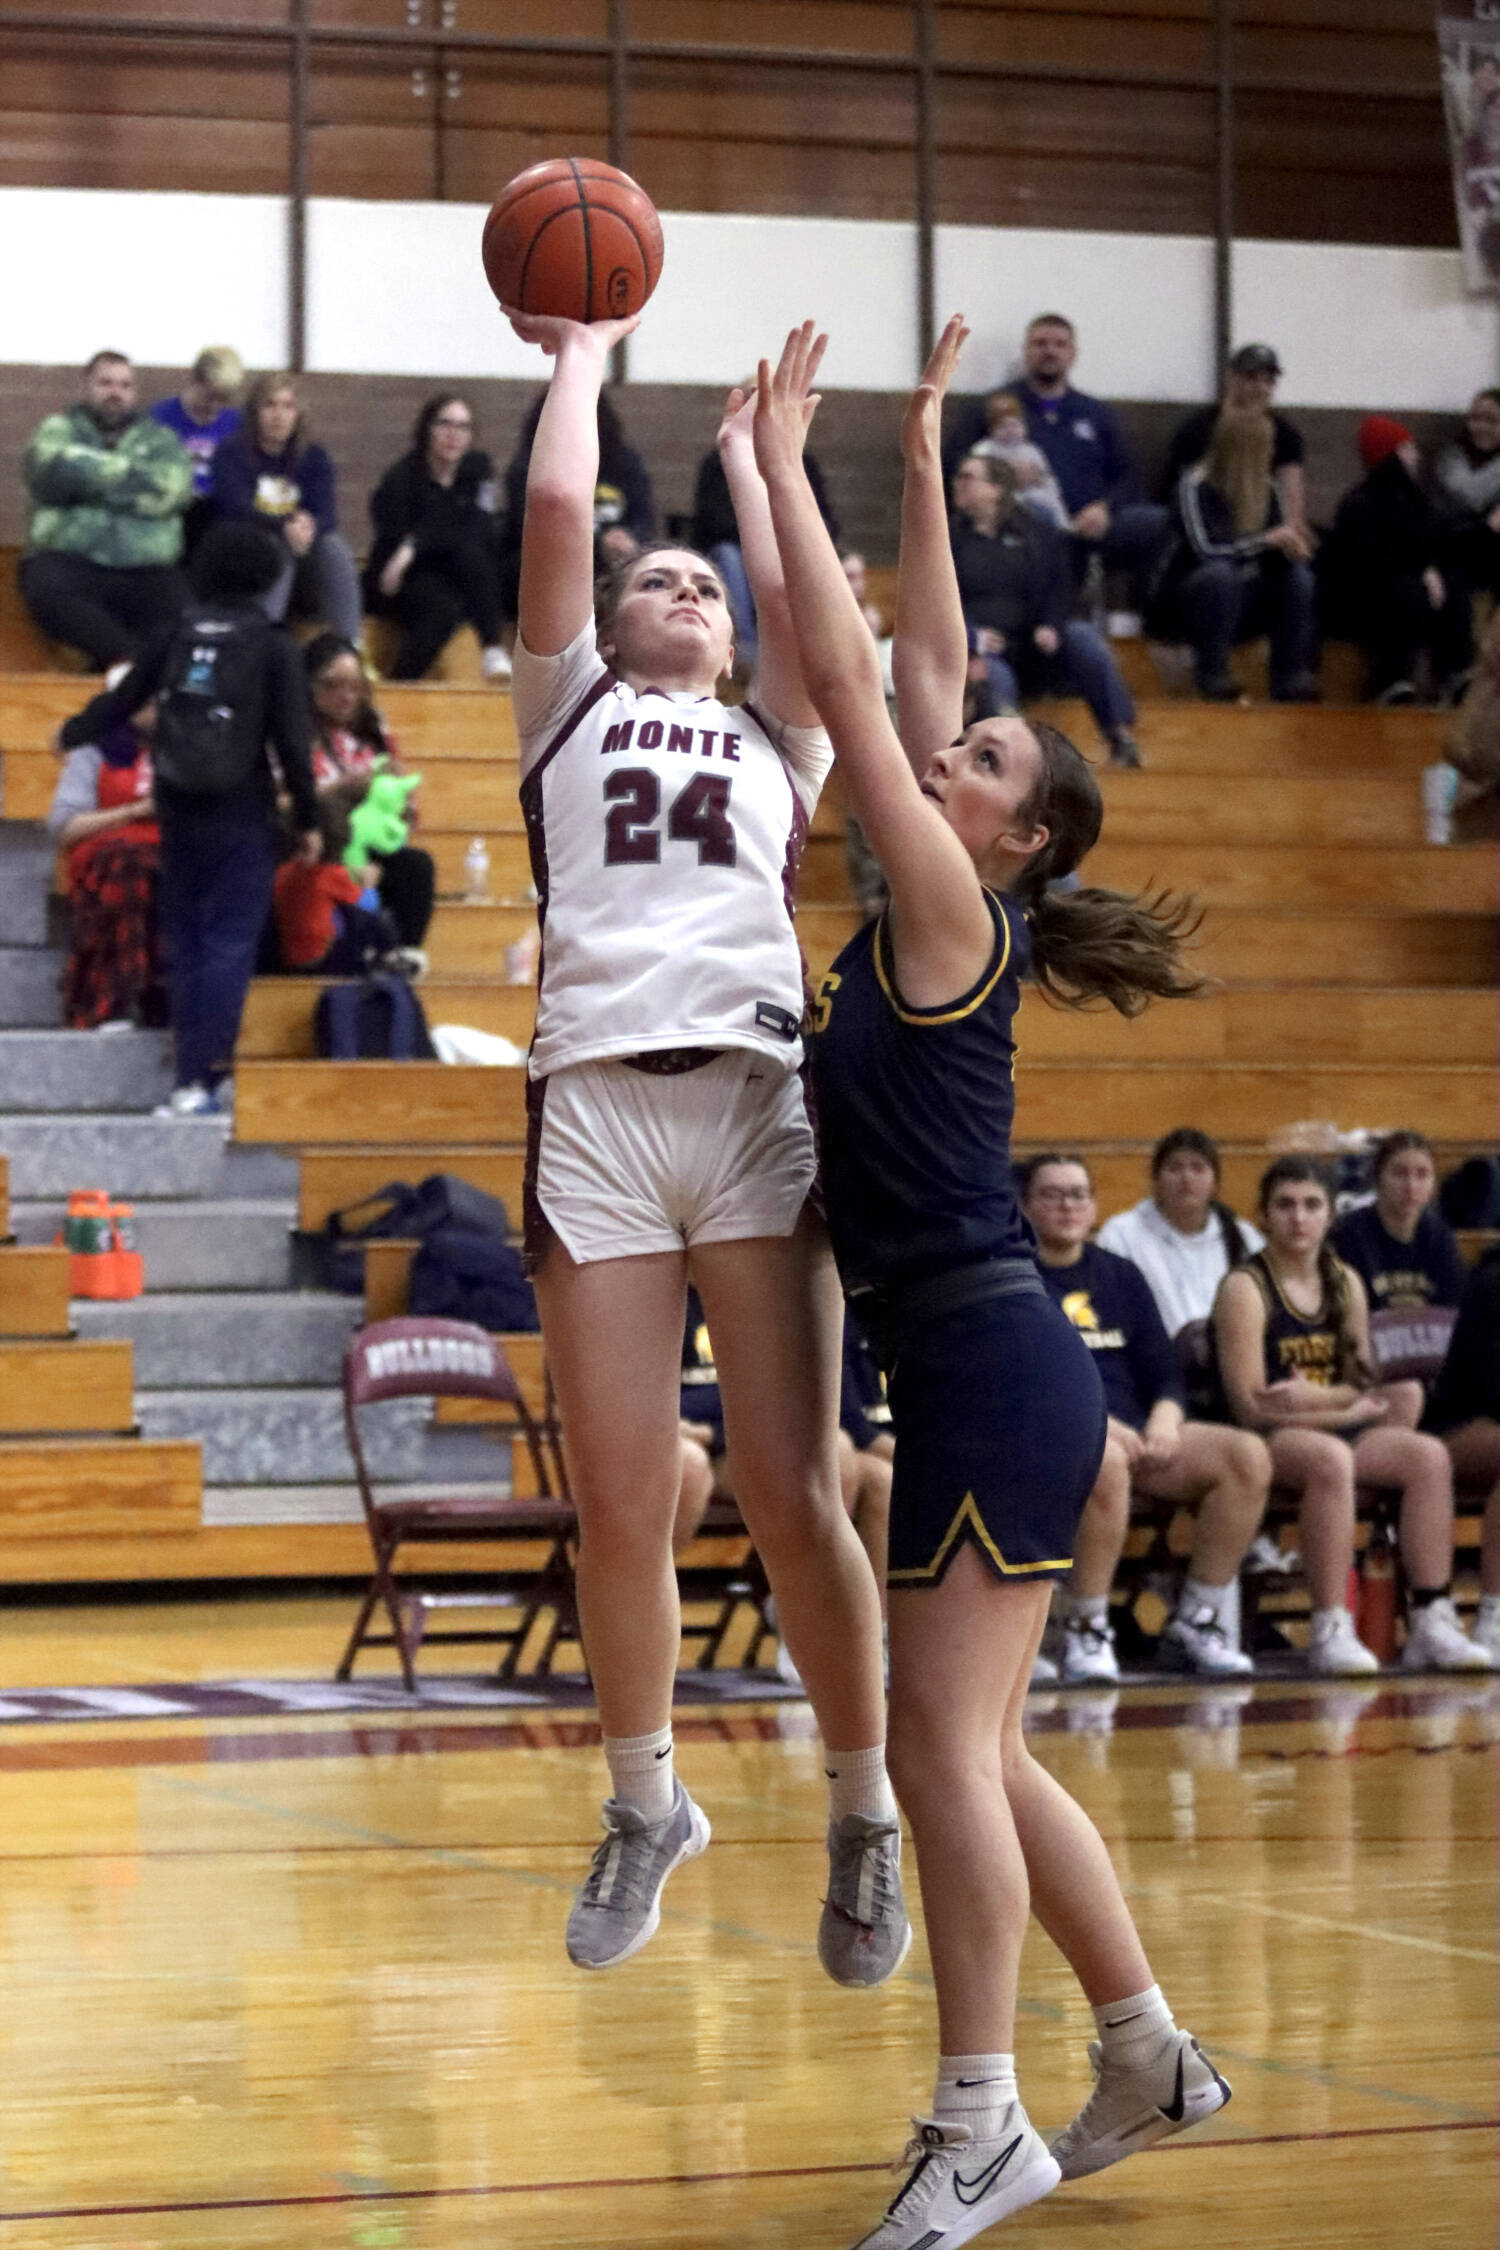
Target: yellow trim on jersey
x,y
951,1015
967,1516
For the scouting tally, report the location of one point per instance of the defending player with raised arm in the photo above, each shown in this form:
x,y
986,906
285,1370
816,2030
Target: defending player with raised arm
x,y
669,1135
997,1409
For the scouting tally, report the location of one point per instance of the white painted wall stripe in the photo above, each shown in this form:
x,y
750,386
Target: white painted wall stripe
x,y
395,288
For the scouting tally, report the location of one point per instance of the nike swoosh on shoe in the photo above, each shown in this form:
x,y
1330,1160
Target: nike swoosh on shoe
x,y
973,2191
1173,2110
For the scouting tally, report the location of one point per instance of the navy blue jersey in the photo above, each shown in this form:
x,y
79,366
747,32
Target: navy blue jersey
x,y
1297,1343
1109,1302
914,1112
1425,1271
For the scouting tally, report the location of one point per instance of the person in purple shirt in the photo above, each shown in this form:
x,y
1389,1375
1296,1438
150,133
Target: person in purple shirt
x,y
271,474
203,415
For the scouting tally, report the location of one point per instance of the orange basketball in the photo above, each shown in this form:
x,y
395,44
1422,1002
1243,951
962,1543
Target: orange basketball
x,y
573,237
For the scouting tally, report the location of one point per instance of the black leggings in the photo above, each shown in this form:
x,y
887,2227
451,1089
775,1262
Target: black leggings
x,y
460,587
408,887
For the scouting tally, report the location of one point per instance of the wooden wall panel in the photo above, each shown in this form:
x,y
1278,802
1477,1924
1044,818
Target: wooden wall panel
x,y
1362,161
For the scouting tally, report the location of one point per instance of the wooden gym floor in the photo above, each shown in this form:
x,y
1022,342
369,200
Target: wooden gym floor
x,y
298,1983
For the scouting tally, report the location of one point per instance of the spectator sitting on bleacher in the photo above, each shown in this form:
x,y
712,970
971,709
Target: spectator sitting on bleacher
x,y
1081,439
271,473
435,563
624,501
715,533
1005,439
107,488
1234,567
1383,579
1225,1473
1400,1245
202,415
104,822
1292,1334
1467,473
229,691
328,915
1250,381
1181,1236
1014,585
349,740
1464,1411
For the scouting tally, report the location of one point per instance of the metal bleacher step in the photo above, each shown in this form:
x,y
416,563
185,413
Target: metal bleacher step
x,y
192,1340
30,986
279,1434
81,1071
169,1157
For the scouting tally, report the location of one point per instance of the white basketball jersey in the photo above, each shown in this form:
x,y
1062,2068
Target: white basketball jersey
x,y
665,833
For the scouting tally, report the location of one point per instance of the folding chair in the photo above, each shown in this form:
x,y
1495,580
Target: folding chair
x,y
412,1358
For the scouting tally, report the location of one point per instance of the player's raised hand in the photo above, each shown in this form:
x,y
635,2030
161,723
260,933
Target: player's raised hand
x,y
738,423
550,333
922,423
786,401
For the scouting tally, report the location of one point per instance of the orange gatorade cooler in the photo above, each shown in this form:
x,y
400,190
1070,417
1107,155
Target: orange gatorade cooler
x,y
102,1259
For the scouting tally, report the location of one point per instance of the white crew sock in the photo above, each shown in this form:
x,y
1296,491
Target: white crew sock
x,y
640,1771
975,2090
1196,1597
1136,2031
858,1783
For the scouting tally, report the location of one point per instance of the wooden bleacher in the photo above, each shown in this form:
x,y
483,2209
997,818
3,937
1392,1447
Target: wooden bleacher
x,y
71,1467
1354,978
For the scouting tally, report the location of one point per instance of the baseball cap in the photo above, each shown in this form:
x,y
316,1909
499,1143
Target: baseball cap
x,y
1255,359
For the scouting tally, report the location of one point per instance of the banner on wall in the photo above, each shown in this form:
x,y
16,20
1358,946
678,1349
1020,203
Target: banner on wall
x,y
1469,45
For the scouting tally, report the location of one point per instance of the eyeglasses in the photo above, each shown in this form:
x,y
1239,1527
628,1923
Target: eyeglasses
x,y
450,422
1062,1195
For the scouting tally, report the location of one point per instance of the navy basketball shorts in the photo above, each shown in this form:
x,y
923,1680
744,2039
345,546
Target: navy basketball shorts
x,y
999,1418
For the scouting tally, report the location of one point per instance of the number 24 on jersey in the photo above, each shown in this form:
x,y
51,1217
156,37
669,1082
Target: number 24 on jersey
x,y
698,814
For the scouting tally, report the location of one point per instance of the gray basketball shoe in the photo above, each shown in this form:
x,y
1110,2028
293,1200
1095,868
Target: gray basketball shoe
x,y
1130,2108
618,1908
864,1933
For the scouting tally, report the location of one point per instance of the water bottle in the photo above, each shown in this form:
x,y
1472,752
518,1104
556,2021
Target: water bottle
x,y
1439,795
477,872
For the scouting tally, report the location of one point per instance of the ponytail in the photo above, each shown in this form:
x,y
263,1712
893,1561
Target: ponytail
x,y
1236,1248
1098,945
1090,945
1333,1274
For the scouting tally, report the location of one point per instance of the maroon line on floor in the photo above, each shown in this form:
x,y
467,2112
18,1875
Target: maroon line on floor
x,y
666,2179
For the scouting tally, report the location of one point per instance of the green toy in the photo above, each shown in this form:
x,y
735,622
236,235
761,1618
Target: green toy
x,y
378,822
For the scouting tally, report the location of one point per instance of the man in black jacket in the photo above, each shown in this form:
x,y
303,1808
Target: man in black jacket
x,y
229,690
1016,588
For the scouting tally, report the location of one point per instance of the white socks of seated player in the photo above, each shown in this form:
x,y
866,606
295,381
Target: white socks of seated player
x,y
858,1783
640,1772
975,2090
1135,2032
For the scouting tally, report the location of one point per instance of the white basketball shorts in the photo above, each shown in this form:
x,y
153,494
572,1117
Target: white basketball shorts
x,y
621,1162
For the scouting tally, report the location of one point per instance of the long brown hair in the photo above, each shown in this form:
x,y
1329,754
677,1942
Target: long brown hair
x,y
1238,464
1090,944
1333,1274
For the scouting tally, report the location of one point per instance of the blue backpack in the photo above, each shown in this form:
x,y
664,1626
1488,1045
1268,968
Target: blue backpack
x,y
379,1019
